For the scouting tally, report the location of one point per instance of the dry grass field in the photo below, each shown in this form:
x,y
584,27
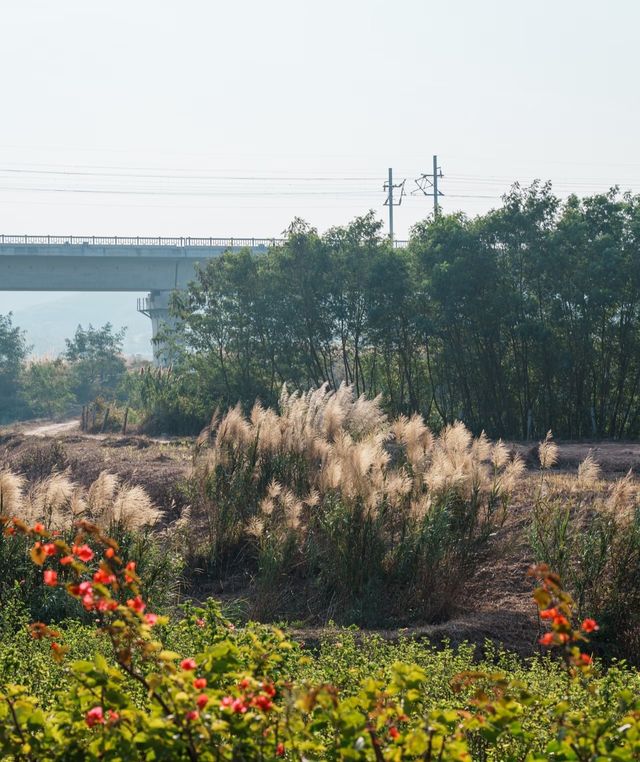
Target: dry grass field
x,y
506,614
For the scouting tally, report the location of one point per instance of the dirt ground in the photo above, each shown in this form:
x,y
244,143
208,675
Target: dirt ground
x,y
158,465
497,603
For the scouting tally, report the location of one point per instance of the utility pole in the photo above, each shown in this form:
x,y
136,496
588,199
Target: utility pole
x,y
428,185
389,186
390,202
435,186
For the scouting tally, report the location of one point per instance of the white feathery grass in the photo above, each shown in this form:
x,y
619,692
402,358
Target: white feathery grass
x,y
548,452
11,493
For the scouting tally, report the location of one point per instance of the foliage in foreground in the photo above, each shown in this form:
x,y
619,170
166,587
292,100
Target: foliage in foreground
x,y
233,699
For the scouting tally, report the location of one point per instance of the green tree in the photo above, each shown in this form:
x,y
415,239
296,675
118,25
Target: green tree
x,y
46,388
97,365
13,353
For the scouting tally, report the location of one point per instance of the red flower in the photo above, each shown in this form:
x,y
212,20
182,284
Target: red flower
x,y
585,659
151,619
83,552
546,639
137,604
394,732
105,605
109,552
549,614
188,664
590,625
50,578
103,577
49,548
200,683
280,750
236,705
39,528
113,716
192,715
200,622
94,716
202,700
65,560
560,621
269,689
130,567
263,702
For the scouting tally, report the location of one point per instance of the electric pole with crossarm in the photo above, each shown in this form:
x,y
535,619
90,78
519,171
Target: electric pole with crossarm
x,y
428,185
389,186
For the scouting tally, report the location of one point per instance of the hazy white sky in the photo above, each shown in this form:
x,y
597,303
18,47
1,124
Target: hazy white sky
x,y
200,117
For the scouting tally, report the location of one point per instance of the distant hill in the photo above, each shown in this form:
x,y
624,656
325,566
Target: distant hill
x,y
49,323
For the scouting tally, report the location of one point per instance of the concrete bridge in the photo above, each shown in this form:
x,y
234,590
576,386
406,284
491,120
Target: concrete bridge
x,y
96,263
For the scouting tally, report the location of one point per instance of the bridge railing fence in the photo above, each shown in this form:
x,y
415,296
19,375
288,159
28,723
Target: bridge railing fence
x,y
182,242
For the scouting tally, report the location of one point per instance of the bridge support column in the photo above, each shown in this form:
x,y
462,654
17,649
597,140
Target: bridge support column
x,y
156,307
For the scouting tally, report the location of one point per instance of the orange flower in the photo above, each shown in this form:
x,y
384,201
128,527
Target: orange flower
x,y
202,700
393,732
549,614
65,560
50,578
585,659
560,621
188,664
546,639
109,552
199,683
39,528
280,750
49,548
590,625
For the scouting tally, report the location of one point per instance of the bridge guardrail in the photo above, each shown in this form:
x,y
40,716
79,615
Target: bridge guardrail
x,y
182,242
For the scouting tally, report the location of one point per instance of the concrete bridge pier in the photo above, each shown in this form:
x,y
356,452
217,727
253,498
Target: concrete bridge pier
x,y
156,307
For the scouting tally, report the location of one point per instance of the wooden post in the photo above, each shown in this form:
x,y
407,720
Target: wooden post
x,y
106,420
124,424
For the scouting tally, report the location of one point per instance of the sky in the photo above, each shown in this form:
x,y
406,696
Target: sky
x,y
204,118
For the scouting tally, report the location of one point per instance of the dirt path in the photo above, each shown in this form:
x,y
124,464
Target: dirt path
x,y
51,429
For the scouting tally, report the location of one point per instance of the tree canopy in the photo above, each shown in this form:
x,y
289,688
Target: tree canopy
x,y
520,320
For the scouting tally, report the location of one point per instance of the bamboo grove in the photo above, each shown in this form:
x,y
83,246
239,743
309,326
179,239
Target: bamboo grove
x,y
524,319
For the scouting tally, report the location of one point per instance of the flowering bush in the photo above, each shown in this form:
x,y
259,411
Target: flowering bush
x,y
233,699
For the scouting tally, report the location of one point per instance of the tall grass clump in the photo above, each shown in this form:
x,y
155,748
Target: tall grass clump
x,y
328,502
589,530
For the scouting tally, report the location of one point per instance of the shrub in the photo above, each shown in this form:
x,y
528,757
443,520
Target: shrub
x,y
328,495
591,534
124,511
